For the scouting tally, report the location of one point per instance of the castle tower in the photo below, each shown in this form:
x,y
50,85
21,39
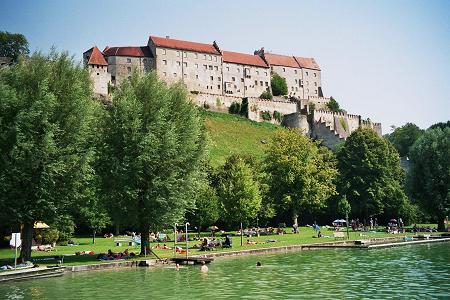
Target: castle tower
x,y
98,70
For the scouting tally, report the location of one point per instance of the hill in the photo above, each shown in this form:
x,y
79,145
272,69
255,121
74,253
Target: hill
x,y
231,134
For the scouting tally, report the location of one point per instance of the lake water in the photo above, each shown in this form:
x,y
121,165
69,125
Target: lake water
x,y
409,272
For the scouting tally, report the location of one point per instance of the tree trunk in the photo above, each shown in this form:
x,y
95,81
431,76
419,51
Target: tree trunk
x,y
93,238
145,245
441,225
27,241
117,229
296,219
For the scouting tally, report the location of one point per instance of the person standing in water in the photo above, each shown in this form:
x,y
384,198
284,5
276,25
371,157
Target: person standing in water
x,y
204,267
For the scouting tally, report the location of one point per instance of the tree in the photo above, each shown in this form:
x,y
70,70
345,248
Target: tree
x,y
152,153
404,137
46,122
371,175
300,174
345,208
429,178
13,45
333,105
279,85
238,190
440,125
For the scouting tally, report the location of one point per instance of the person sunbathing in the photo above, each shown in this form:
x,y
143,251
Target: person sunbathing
x,y
251,242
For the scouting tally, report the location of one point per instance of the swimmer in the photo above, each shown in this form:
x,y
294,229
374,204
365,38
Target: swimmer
x,y
177,266
204,268
258,264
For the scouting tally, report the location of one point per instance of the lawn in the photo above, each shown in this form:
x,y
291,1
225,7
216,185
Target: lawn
x,y
231,134
103,244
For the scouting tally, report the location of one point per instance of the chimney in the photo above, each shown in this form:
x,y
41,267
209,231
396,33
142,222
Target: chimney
x,y
167,37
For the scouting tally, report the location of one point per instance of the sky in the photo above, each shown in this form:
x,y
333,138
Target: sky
x,y
385,60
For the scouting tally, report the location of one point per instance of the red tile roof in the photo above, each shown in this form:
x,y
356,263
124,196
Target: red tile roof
x,y
96,57
307,63
244,59
134,51
184,45
281,60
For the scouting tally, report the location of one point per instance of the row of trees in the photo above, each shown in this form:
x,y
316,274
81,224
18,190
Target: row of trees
x,y
141,162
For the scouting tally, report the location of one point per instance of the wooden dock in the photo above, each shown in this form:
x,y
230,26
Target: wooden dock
x,y
192,260
31,273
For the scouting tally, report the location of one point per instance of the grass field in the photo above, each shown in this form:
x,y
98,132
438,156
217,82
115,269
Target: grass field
x,y
103,244
231,134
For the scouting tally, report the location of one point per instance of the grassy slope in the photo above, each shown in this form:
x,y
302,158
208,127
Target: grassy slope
x,y
230,134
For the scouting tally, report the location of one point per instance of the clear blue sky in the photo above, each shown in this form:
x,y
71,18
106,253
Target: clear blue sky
x,y
387,60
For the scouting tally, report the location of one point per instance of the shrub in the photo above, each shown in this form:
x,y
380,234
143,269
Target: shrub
x,y
47,236
218,102
266,115
195,92
266,95
234,108
205,105
277,116
244,108
279,85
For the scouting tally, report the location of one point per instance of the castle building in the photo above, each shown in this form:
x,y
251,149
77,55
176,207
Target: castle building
x,y
98,70
216,79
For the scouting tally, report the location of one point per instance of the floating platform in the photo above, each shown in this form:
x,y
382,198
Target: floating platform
x,y
192,260
31,273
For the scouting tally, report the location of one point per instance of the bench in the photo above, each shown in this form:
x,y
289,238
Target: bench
x,y
339,234
119,241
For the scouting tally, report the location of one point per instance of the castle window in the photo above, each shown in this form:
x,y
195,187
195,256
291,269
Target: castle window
x,y
315,91
295,81
295,71
210,67
267,83
256,82
257,72
178,53
175,74
129,69
245,88
315,75
128,60
212,78
98,73
218,78
239,70
206,67
233,78
261,83
184,54
306,73
265,73
210,57
165,62
164,51
284,69
228,68
216,68
204,56
178,63
218,86
315,83
292,88
196,76
185,64
113,78
242,79
196,55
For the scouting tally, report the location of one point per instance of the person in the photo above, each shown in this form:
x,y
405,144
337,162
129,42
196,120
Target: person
x,y
258,264
319,234
295,228
177,266
204,268
371,223
227,243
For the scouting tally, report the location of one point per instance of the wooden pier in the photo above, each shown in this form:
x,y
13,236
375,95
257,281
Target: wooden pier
x,y
31,273
192,260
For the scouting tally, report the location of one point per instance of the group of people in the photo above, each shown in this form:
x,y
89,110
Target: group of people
x,y
115,256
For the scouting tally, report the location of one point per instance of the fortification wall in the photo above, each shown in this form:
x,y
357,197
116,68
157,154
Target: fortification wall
x,y
257,106
218,103
323,133
297,120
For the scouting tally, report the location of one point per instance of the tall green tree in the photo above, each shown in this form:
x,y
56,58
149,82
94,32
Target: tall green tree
x,y
429,178
404,137
371,176
152,153
13,45
238,191
207,207
46,121
300,174
279,85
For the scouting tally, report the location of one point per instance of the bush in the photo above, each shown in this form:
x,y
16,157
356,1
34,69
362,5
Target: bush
x,y
279,85
244,108
218,102
195,92
235,108
47,236
277,116
266,95
266,115
205,105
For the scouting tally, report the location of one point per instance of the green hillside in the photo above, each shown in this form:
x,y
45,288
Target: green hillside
x,y
231,134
